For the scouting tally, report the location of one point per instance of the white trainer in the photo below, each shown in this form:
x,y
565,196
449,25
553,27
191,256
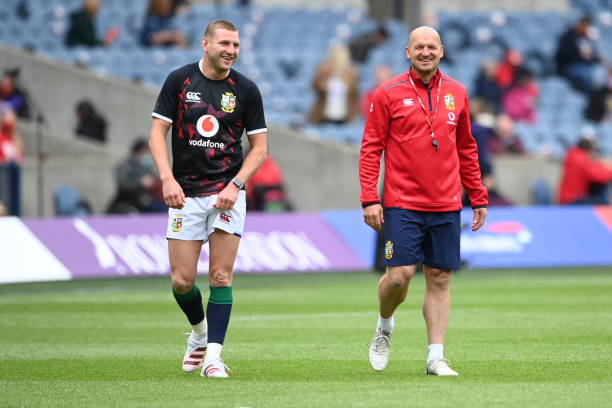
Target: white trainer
x,y
440,367
379,349
215,368
194,356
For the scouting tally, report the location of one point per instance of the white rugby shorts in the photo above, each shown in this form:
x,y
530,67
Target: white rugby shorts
x,y
198,218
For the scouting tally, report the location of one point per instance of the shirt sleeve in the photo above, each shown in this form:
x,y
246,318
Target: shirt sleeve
x,y
167,100
372,146
469,169
597,171
254,119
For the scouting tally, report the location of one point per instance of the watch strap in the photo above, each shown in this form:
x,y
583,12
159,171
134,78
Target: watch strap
x,y
238,183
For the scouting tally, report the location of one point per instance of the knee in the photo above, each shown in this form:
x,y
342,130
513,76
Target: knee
x,y
438,278
400,276
182,284
220,277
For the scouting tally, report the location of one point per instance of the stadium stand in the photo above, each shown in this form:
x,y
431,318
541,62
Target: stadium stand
x,y
282,57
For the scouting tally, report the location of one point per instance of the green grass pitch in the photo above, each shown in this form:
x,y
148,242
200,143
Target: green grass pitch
x,y
529,338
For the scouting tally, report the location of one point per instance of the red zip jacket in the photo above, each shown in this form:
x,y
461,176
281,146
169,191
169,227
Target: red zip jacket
x,y
417,176
579,171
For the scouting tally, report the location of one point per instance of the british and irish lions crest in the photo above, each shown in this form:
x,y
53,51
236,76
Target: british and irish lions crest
x,y
228,102
177,223
449,101
389,250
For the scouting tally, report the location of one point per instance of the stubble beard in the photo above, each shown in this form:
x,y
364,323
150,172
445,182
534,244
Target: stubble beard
x,y
219,64
426,72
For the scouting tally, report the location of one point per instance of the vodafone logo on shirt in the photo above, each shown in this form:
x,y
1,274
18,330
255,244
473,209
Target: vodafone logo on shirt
x,y
207,126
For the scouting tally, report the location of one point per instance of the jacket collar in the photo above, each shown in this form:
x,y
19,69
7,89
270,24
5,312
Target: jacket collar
x,y
417,80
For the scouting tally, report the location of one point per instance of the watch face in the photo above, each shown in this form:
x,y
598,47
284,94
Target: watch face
x,y
237,183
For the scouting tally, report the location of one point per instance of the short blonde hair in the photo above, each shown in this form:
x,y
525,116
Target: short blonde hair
x,y
213,25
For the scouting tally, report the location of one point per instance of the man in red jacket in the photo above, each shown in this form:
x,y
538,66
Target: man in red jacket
x,y
585,179
421,120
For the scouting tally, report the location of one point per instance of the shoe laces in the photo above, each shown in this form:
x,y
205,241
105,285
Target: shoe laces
x,y
381,343
220,364
441,360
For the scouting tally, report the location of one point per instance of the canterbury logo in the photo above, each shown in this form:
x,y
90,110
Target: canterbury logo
x,y
193,97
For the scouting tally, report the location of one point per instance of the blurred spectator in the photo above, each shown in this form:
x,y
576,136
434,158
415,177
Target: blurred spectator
x,y
336,86
506,139
159,27
22,10
11,157
576,55
361,46
3,211
139,186
506,71
179,7
585,178
496,199
266,191
486,86
89,122
11,93
82,27
483,122
521,98
382,73
599,107
11,147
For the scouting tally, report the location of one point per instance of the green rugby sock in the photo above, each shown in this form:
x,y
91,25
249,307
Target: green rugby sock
x,y
191,304
221,296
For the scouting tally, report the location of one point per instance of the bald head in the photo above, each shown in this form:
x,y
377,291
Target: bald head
x,y
424,51
425,33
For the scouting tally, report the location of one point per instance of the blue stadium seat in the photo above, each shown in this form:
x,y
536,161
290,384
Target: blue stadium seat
x,y
68,201
289,53
541,192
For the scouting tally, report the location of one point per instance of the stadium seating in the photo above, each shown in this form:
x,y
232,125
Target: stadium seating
x,y
282,57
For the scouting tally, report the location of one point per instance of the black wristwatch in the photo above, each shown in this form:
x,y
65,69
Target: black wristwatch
x,y
238,183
